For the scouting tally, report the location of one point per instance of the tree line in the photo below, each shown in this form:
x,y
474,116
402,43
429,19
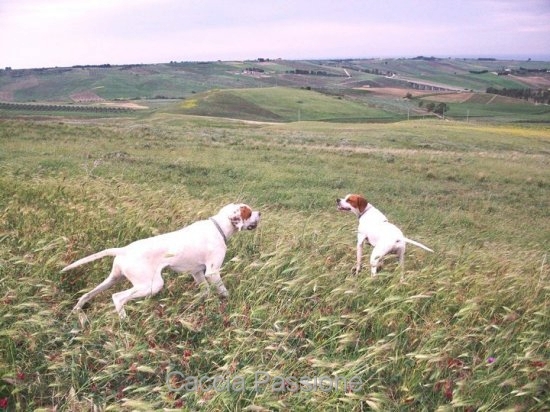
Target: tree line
x,y
314,73
65,108
431,107
536,95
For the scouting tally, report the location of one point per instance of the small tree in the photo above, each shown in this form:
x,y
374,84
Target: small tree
x,y
441,108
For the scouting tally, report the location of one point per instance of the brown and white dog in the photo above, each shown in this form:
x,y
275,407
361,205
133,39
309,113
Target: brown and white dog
x,y
198,249
374,227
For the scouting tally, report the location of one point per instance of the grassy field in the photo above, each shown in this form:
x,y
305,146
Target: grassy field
x,y
279,104
453,72
490,107
468,329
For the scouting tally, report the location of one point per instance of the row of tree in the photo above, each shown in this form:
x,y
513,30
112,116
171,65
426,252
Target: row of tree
x,y
431,107
313,72
439,108
64,108
378,72
536,95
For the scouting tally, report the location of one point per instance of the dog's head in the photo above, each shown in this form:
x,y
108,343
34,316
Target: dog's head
x,y
241,216
352,203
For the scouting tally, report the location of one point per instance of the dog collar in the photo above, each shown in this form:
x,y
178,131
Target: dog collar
x,y
365,211
219,229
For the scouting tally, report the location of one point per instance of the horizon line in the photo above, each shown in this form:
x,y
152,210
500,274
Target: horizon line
x,y
543,58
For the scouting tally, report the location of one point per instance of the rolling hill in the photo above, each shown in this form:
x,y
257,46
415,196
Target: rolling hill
x,y
284,91
279,104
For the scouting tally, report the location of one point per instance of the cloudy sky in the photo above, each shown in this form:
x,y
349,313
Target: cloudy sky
x,y
49,33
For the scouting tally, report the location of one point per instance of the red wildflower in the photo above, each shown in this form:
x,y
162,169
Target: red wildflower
x,y
446,387
454,363
448,390
4,403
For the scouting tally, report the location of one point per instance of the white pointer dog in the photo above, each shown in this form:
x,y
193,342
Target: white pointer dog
x,y
374,227
198,249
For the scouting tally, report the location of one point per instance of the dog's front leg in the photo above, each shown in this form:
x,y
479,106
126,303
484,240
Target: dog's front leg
x,y
357,267
215,279
202,283
360,240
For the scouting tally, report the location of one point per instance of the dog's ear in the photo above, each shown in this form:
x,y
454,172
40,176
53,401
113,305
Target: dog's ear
x,y
358,202
361,204
240,215
246,212
236,219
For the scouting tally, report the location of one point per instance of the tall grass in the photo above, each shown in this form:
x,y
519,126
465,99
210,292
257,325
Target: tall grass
x,y
468,329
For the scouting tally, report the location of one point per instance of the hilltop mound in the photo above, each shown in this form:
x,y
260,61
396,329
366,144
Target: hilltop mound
x,y
277,104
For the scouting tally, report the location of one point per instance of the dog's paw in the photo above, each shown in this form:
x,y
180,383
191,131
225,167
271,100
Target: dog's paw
x,y
204,295
204,290
122,313
355,270
222,292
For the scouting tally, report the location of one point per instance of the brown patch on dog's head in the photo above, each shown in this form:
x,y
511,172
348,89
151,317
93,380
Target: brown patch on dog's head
x,y
246,212
357,201
243,217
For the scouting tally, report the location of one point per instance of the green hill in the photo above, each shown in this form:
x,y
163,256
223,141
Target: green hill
x,y
284,91
279,104
489,106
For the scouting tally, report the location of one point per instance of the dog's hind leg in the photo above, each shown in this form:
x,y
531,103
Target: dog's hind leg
x,y
201,282
375,260
377,256
139,290
113,278
400,251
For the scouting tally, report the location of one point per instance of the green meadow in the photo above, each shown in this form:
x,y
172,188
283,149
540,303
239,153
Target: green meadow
x,y
468,329
278,104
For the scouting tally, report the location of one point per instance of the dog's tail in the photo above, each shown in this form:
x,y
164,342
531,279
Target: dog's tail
x,y
420,245
91,258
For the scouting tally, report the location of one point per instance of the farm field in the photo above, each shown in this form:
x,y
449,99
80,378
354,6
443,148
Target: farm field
x,y
280,104
468,329
475,106
358,91
285,105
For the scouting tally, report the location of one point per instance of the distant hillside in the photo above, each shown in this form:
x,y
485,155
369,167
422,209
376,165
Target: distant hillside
x,y
280,104
277,90
176,80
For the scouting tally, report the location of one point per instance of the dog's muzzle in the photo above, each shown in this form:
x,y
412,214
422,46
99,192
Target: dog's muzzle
x,y
255,221
341,207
